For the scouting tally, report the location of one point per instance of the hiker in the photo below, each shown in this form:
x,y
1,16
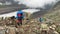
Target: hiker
x,y
41,19
13,20
27,21
19,17
13,17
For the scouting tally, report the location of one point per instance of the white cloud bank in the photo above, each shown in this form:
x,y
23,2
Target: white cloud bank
x,y
14,13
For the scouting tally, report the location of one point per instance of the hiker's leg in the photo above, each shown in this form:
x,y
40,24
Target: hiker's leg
x,y
17,25
21,23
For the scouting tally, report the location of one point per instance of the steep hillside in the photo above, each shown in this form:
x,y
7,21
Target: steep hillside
x,y
55,14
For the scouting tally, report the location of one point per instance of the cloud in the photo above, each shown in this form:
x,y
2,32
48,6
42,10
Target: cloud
x,y
37,3
8,14
30,10
14,13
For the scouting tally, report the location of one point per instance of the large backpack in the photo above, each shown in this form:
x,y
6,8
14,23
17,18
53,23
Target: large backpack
x,y
19,15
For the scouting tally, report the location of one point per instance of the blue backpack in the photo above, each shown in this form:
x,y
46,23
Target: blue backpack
x,y
19,15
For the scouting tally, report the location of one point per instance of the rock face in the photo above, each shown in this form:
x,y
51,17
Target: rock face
x,y
56,7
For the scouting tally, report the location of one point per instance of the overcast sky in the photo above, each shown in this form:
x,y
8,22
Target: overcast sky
x,y
37,3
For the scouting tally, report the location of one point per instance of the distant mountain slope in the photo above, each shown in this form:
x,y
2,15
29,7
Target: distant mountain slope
x,y
12,1
12,8
43,12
